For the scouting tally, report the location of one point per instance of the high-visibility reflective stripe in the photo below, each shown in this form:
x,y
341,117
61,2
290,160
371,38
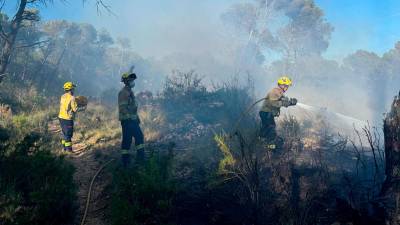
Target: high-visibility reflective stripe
x,y
124,151
63,142
128,118
138,147
68,144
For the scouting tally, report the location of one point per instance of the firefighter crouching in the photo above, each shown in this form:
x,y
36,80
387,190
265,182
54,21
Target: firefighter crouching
x,y
129,120
270,109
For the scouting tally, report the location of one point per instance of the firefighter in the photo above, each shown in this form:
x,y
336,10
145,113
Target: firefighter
x,y
270,109
66,116
129,120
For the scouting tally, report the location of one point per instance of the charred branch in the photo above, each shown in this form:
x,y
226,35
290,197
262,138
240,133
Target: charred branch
x,y
391,187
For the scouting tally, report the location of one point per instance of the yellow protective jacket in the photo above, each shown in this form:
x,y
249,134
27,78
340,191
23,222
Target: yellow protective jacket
x,y
273,101
68,107
127,105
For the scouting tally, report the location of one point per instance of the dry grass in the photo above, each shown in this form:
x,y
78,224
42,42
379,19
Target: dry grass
x,y
99,127
153,122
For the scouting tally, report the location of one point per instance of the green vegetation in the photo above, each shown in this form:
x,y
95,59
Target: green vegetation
x,y
221,104
36,187
145,194
229,179
220,172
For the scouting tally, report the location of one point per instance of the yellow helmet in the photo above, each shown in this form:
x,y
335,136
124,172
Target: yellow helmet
x,y
69,86
128,76
285,81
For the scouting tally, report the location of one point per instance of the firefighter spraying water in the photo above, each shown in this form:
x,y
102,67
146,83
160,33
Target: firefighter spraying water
x,y
270,109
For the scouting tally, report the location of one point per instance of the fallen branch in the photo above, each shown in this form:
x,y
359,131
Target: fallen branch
x,y
33,44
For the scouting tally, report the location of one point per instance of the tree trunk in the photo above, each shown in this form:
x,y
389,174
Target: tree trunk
x,y
391,187
10,38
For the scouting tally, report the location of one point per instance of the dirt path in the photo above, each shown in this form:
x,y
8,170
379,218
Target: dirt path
x,y
87,164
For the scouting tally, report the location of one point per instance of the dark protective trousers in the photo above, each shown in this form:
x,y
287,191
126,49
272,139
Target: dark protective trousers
x,y
67,127
268,126
131,129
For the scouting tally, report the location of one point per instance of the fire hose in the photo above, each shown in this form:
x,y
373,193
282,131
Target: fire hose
x,y
90,190
245,112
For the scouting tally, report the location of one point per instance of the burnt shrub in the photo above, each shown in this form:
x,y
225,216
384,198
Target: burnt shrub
x,y
185,93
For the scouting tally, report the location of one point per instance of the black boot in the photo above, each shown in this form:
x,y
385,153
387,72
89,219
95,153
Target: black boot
x,y
126,160
140,156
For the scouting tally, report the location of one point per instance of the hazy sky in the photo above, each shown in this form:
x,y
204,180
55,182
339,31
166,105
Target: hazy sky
x,y
159,27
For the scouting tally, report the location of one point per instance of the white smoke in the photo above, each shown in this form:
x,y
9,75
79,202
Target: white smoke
x,y
260,38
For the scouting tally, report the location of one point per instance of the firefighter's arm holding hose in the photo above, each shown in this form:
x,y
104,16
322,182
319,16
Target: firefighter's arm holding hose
x,y
277,99
293,101
286,102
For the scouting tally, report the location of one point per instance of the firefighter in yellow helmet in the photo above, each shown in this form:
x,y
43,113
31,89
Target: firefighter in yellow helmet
x,y
130,121
270,109
68,109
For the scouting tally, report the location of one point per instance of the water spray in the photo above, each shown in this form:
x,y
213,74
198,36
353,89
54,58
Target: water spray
x,y
354,121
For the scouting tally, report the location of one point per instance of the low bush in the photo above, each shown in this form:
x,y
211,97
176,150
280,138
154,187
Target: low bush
x,y
36,187
23,97
145,195
185,93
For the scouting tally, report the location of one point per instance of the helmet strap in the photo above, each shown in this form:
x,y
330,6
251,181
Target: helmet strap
x,y
282,87
131,83
128,83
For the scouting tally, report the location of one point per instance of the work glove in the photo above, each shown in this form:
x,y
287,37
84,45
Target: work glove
x,y
285,102
293,101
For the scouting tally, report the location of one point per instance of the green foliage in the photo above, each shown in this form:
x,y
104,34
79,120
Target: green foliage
x,y
14,129
144,195
184,90
23,97
25,123
36,187
228,159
